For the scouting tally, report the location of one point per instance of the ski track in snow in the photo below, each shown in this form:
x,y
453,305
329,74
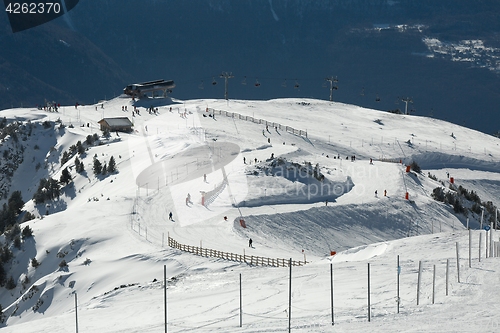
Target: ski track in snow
x,y
125,237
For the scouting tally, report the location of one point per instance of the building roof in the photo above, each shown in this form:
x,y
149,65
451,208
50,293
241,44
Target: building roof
x,y
117,122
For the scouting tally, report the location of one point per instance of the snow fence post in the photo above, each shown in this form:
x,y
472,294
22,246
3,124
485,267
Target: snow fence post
x,y
480,242
76,313
290,299
458,264
165,294
369,312
470,248
418,281
399,272
331,291
241,307
447,274
486,247
433,283
491,239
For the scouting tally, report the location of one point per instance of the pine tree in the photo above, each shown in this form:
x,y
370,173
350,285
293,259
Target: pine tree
x,y
39,196
111,165
53,189
89,140
97,167
79,165
11,284
80,148
65,177
65,158
27,232
16,202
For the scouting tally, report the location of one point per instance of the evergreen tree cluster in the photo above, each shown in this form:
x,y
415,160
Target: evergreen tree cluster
x,y
73,150
457,197
100,169
415,167
11,210
91,139
79,167
449,197
48,189
12,236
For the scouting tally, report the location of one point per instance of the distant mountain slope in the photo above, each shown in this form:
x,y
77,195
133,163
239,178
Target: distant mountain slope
x,y
288,47
51,63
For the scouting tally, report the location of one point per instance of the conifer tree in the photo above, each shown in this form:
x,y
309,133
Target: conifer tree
x,y
97,168
111,165
65,176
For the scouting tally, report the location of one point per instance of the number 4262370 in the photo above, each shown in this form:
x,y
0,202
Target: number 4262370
x,y
33,8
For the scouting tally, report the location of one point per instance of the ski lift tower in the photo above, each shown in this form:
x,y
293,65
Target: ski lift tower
x,y
333,85
406,101
225,76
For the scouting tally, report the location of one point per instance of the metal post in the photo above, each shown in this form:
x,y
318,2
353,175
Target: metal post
x,y
418,281
491,239
290,299
482,216
458,265
486,247
241,306
331,291
433,283
369,306
470,248
332,80
480,242
447,274
76,312
226,76
165,294
399,272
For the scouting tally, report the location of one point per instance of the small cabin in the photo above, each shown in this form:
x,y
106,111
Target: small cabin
x,y
120,124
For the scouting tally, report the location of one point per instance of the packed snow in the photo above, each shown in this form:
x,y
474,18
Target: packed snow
x,y
339,184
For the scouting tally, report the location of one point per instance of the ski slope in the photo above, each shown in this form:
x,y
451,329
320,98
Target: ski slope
x,y
114,230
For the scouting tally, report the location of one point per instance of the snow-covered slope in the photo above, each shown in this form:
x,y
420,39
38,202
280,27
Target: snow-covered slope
x,y
300,196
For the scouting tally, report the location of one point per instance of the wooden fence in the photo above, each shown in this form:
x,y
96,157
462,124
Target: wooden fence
x,y
278,126
251,260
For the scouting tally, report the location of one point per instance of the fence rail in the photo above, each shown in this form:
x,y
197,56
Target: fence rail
x,y
249,259
235,115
